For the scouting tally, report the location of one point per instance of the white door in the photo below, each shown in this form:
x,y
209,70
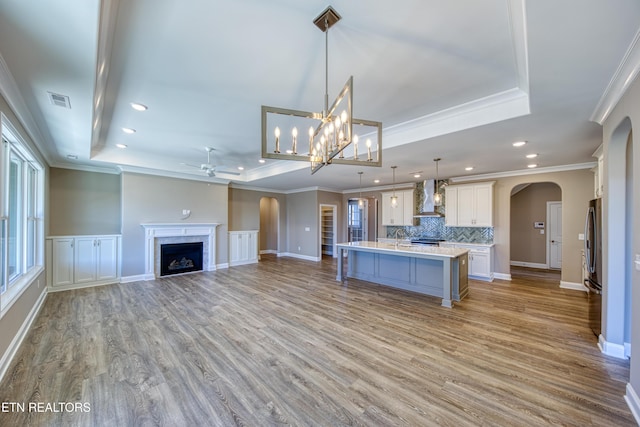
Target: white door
x,y
554,234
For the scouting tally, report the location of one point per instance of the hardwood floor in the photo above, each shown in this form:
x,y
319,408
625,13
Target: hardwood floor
x,y
282,343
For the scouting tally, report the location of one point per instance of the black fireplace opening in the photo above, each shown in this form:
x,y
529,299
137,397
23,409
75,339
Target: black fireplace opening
x,y
177,258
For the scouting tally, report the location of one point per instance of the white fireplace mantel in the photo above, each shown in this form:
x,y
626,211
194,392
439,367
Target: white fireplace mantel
x,y
153,231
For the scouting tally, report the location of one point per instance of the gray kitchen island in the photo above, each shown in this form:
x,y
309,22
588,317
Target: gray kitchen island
x,y
429,270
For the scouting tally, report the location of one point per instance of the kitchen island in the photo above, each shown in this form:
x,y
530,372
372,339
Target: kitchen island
x,y
429,270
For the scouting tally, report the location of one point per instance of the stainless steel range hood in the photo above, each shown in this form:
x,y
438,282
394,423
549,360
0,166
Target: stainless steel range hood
x,y
424,197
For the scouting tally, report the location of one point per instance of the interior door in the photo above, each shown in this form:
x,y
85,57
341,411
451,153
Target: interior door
x,y
554,234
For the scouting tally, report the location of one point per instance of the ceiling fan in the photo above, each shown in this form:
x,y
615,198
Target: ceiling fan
x,y
209,168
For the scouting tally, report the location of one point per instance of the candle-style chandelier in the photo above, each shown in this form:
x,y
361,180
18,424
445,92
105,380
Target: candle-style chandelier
x,y
333,134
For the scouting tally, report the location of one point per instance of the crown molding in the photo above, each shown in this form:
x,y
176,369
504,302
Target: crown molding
x,y
86,168
535,171
11,93
171,174
619,83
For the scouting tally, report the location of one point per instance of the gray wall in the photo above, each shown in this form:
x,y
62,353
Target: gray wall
x,y
244,213
83,202
302,213
15,316
528,206
149,199
619,203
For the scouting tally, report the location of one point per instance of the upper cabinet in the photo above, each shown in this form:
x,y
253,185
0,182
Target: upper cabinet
x,y
403,213
598,171
469,205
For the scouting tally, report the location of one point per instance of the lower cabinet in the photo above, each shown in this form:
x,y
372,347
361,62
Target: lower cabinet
x,y
243,247
80,261
480,259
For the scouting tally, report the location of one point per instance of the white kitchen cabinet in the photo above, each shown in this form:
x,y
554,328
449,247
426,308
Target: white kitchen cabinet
x,y
80,261
469,205
243,247
403,213
480,259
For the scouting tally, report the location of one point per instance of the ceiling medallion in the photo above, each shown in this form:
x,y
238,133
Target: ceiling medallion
x,y
333,134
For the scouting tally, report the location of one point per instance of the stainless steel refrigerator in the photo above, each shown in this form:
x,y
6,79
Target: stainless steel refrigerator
x,y
593,258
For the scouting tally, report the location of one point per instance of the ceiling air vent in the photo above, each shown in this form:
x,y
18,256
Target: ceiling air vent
x,y
59,100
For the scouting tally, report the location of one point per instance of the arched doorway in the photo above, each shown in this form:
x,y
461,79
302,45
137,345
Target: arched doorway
x,y
536,230
269,225
618,232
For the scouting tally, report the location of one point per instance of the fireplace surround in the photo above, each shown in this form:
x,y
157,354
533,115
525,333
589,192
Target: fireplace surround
x,y
157,234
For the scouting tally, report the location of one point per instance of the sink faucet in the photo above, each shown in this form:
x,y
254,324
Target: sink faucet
x,y
398,231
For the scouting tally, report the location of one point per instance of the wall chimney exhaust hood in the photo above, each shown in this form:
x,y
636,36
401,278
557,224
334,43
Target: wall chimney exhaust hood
x,y
424,196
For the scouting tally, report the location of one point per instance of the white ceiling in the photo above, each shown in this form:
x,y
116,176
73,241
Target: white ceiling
x,y
457,80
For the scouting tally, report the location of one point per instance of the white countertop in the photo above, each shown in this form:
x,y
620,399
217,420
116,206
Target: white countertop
x,y
404,249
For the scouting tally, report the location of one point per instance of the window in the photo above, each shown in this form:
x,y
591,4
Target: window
x,y
21,218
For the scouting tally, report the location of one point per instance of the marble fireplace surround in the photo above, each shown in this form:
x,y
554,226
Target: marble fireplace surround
x,y
156,234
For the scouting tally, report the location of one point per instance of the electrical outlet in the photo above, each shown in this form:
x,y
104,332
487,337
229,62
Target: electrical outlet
x,y
307,229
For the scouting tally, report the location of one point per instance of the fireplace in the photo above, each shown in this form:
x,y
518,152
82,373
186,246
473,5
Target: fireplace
x,y
177,258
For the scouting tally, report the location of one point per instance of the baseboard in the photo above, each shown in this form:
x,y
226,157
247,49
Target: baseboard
x,y
633,401
529,265
222,266
627,350
502,276
235,263
611,349
83,285
299,256
8,355
137,278
574,286
268,251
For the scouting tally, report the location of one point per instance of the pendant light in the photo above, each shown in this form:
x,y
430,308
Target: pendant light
x,y
394,198
437,197
360,199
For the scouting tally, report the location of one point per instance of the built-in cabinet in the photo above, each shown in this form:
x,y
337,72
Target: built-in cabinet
x,y
480,259
243,247
403,213
598,173
327,229
469,205
80,261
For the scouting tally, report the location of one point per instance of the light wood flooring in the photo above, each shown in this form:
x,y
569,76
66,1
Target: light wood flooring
x,y
282,343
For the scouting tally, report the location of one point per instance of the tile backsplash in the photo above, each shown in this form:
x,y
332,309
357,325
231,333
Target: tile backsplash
x,y
434,227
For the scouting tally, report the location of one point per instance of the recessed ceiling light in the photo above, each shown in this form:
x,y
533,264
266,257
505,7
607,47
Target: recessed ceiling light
x,y
376,181
261,161
469,168
519,143
240,168
531,156
72,157
416,175
121,145
139,107
533,165
128,130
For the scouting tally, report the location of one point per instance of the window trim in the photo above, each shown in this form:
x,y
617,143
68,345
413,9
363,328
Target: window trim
x,y
12,143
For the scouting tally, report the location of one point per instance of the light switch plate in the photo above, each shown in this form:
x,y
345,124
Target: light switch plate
x,y
542,231
580,236
307,229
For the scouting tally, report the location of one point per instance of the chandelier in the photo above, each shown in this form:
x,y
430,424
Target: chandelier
x,y
333,134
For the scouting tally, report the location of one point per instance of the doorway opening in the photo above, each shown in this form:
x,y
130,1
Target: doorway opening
x,y
269,225
536,230
328,230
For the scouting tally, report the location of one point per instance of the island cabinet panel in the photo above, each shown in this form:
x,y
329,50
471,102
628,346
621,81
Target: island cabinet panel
x,y
430,271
